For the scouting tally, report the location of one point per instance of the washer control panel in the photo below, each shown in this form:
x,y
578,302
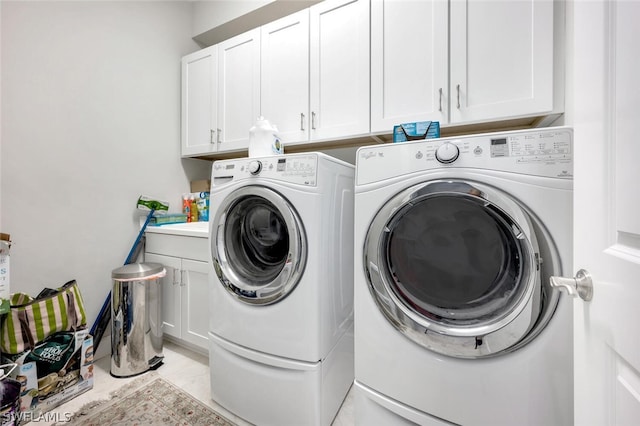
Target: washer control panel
x,y
300,169
544,152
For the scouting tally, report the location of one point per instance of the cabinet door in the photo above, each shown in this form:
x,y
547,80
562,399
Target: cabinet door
x,y
195,302
199,107
501,59
171,293
339,68
409,62
239,89
285,76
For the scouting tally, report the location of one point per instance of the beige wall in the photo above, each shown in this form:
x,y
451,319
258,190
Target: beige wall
x,y
90,119
218,20
213,13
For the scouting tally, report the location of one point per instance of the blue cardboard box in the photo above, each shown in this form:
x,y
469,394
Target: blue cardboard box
x,y
416,131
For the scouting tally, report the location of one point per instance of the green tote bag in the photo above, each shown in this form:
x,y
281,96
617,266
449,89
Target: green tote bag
x,y
30,320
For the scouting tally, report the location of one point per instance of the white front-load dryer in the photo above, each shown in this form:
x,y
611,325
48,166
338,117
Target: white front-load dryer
x,y
455,319
281,322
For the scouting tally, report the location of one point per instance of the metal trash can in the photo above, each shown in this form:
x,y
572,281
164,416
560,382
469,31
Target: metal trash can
x,y
136,323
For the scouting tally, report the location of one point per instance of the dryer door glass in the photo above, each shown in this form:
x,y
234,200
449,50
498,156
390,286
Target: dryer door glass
x,y
258,245
452,258
454,265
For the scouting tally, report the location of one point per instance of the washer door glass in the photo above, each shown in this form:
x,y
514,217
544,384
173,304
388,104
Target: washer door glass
x,y
257,239
258,246
453,265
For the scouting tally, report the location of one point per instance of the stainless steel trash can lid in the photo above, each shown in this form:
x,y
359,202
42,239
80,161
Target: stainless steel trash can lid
x,y
137,271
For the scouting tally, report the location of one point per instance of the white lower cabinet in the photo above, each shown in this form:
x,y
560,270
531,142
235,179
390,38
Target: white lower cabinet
x,y
185,294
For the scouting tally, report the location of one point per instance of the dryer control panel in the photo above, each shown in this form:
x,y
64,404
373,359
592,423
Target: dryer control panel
x,y
299,169
532,147
546,152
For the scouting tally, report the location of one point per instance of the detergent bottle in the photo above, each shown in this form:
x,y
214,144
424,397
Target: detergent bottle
x,y
264,139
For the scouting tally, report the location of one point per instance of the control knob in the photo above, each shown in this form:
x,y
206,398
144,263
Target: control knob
x,y
447,153
255,167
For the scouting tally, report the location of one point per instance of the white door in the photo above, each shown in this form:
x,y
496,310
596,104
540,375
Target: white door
x,y
195,302
199,109
171,291
284,76
607,211
501,59
409,62
238,89
339,68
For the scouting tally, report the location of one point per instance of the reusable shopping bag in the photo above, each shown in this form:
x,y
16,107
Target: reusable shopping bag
x,y
30,320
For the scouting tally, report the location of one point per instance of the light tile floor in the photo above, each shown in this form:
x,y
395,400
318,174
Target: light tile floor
x,y
182,367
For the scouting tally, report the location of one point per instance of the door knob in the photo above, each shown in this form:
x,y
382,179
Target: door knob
x,y
581,285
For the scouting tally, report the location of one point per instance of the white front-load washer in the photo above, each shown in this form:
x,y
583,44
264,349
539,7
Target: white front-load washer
x,y
455,318
281,322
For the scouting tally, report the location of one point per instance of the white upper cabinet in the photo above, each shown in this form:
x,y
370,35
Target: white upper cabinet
x,y
199,109
285,76
221,95
501,59
343,69
339,69
460,61
409,62
238,89
315,72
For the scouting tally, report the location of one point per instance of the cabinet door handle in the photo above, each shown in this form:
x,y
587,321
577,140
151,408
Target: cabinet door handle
x,y
440,99
175,277
458,90
183,282
302,121
313,120
218,136
212,137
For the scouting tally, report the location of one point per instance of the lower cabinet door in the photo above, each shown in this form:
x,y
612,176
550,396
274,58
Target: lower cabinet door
x,y
185,298
171,292
195,302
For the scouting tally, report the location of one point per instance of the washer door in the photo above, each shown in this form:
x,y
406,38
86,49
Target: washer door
x,y
258,245
454,266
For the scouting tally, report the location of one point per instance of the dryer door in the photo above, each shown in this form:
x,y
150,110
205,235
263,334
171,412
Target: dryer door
x,y
258,245
454,265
